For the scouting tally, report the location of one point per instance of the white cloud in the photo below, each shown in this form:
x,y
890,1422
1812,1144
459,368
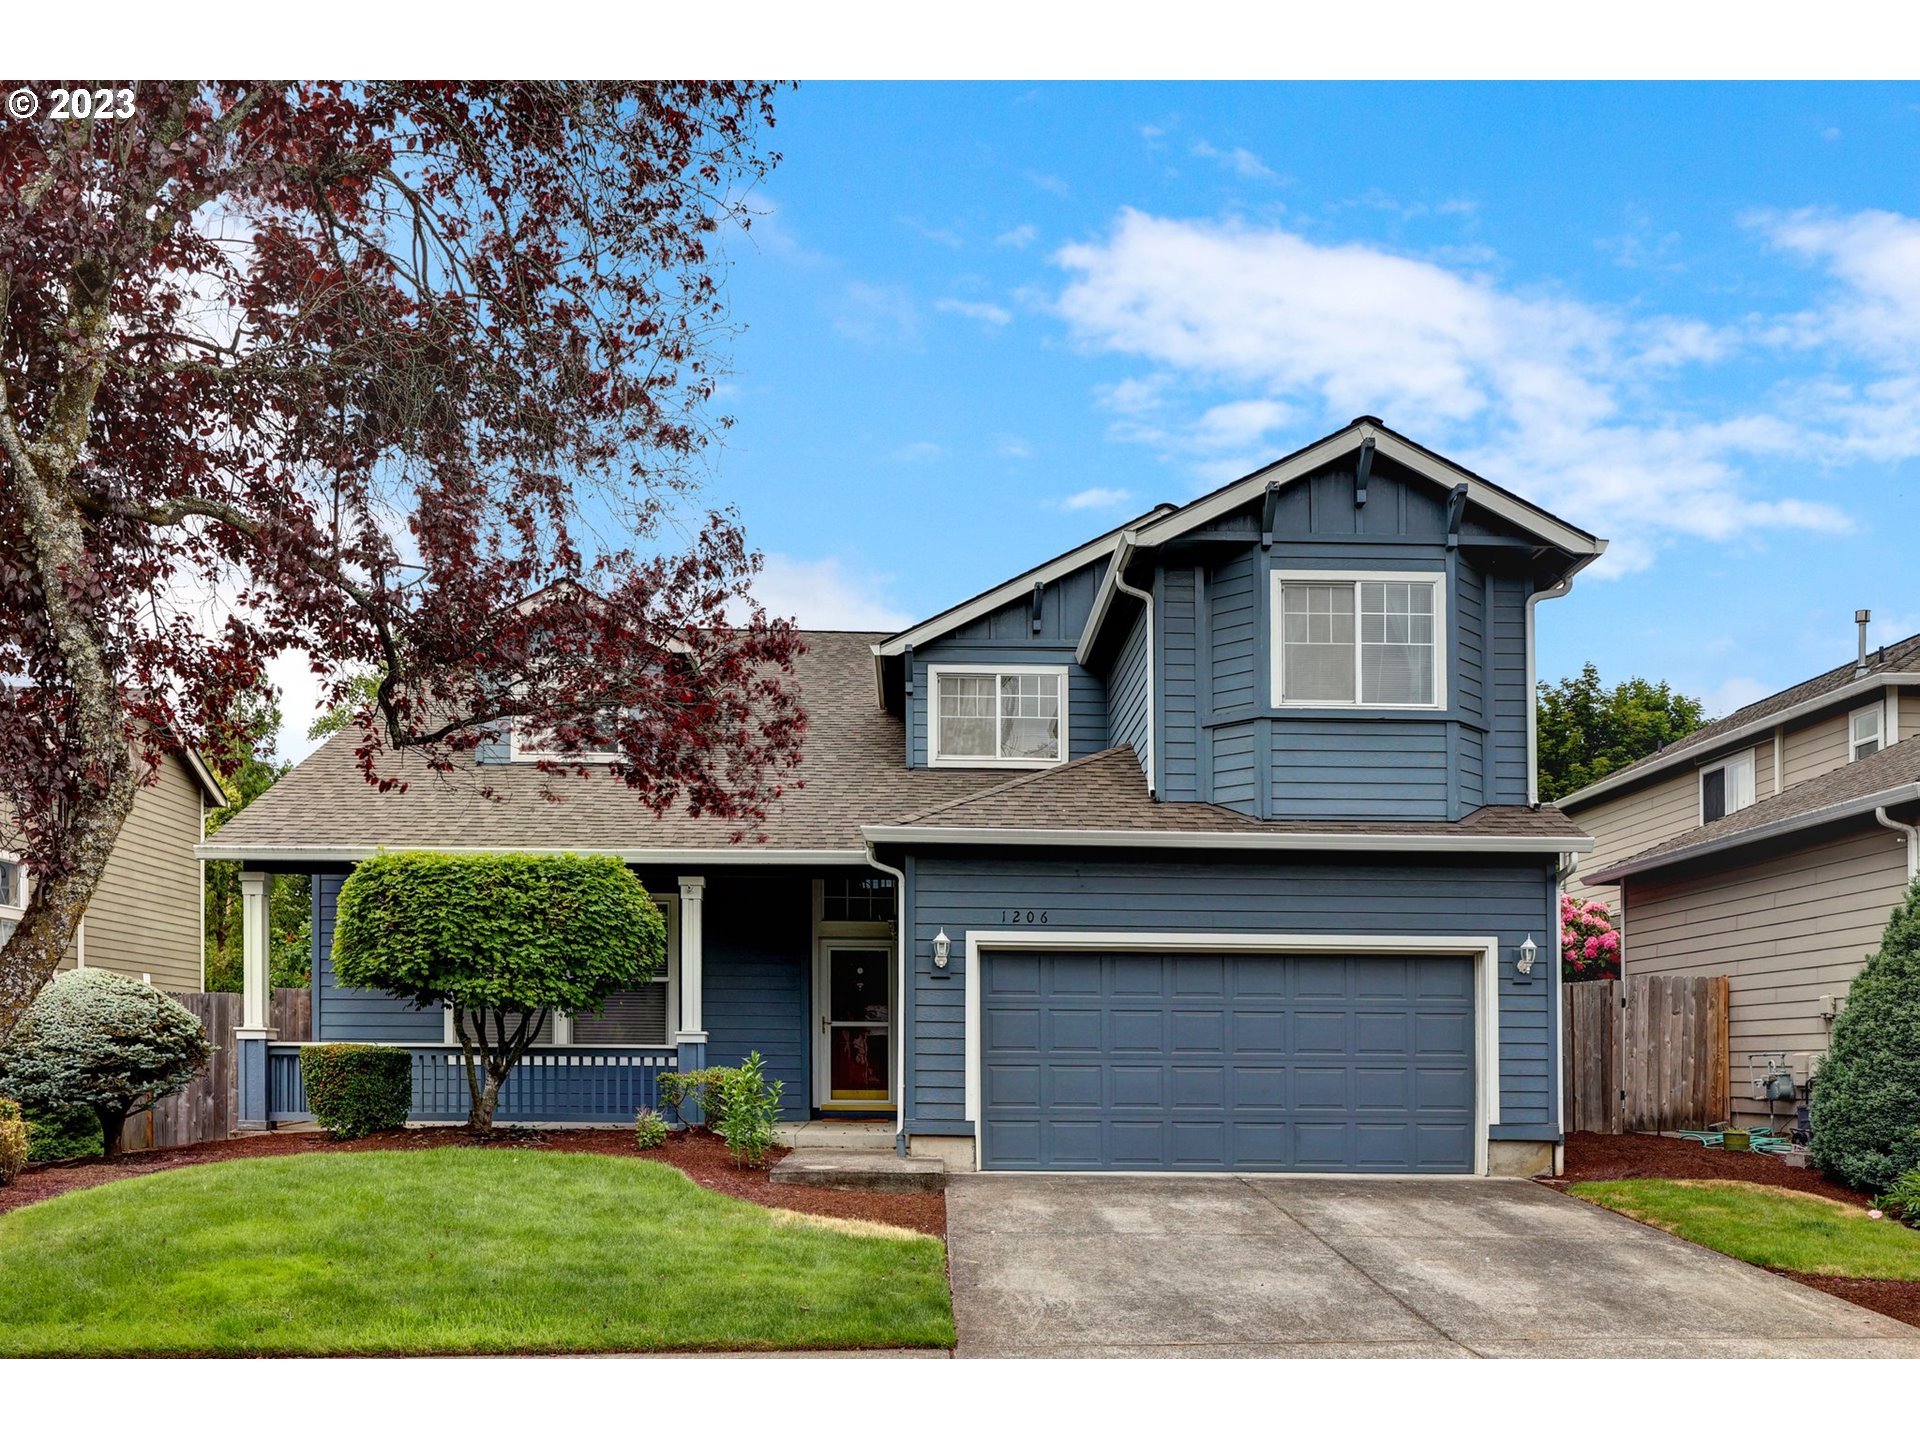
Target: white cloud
x,y
1240,160
1012,447
1733,692
984,311
825,594
919,452
1875,255
1097,497
1052,184
1018,238
301,703
939,234
1246,326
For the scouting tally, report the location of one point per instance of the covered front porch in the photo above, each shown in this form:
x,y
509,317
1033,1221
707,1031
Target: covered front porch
x,y
795,962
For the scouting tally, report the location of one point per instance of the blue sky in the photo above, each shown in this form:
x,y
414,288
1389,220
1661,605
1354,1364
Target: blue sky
x,y
988,321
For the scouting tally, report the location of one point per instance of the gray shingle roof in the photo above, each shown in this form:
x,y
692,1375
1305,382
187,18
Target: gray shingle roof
x,y
1108,792
1847,789
1901,656
853,772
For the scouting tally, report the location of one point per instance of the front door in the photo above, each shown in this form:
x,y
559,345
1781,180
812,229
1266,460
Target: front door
x,y
856,1012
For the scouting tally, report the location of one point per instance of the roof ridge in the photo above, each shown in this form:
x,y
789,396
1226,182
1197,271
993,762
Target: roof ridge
x,y
1016,783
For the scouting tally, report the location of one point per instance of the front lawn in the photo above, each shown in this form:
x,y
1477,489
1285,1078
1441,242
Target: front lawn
x,y
1763,1225
450,1251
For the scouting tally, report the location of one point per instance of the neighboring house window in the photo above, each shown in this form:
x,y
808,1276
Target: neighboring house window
x,y
987,715
1865,733
13,896
531,742
866,899
1360,640
1726,787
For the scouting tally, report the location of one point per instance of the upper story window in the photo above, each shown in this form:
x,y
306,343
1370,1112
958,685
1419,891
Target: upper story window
x,y
1866,732
1013,716
1357,639
530,742
1726,787
13,896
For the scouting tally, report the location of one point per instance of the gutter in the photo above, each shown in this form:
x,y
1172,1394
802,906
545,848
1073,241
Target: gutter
x,y
1913,840
1683,753
1226,840
901,997
1807,820
716,855
1122,553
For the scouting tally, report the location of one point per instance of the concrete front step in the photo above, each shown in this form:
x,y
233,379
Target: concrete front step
x,y
860,1170
837,1135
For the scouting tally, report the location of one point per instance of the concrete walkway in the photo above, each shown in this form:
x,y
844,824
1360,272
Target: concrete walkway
x,y
1072,1265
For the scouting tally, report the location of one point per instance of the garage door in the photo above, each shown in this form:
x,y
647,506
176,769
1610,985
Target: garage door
x,y
1177,1061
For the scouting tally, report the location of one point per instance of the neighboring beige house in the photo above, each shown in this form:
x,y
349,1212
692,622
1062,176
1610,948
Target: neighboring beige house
x,y
146,915
1769,847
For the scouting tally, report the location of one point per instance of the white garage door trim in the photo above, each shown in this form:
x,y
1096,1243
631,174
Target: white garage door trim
x,y
1484,951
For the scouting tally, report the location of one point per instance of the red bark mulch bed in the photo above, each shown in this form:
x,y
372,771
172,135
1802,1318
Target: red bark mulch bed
x,y
701,1157
1659,1157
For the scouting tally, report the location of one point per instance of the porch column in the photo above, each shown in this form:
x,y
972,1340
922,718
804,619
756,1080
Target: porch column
x,y
251,1037
691,1037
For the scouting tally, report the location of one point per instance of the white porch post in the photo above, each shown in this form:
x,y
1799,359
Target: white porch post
x,y
254,1032
693,1030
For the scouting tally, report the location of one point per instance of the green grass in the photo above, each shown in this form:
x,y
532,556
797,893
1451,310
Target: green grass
x,y
449,1251
1763,1225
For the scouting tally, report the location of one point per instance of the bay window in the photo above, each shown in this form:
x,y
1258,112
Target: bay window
x,y
1359,639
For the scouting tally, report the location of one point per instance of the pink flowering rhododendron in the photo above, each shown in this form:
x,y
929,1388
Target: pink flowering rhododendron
x,y
1589,942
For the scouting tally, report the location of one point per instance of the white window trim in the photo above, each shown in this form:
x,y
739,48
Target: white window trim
x,y
517,752
934,758
1751,757
1276,656
563,1023
17,913
1879,712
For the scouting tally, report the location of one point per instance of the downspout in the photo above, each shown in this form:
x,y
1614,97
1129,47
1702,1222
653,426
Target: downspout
x,y
1912,832
900,992
1552,592
1122,553
1562,873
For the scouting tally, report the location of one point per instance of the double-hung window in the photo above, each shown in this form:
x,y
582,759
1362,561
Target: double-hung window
x,y
1726,786
1865,732
1368,640
1007,716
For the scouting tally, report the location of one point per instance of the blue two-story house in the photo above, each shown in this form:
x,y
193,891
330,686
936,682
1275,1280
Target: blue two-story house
x,y
1210,845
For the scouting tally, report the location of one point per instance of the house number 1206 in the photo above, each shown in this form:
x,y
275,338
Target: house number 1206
x,y
1023,917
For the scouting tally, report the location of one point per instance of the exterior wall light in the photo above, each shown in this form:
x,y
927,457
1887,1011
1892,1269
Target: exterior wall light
x,y
1527,951
942,950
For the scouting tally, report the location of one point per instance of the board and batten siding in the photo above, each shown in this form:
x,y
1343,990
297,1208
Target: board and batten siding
x,y
1127,719
960,891
1784,930
144,917
1006,637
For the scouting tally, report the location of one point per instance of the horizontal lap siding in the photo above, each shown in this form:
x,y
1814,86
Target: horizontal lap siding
x,y
1178,761
144,915
1331,769
1817,748
1507,661
1236,767
1233,615
757,979
1127,694
1468,680
1785,931
344,1013
1624,825
959,893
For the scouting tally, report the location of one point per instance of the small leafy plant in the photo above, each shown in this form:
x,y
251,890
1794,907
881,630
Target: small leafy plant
x,y
356,1090
649,1130
751,1107
703,1091
1902,1201
13,1141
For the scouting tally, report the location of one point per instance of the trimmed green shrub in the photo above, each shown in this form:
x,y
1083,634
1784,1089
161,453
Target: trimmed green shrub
x,y
70,1134
13,1141
102,1040
355,1090
649,1130
750,1110
1866,1093
502,940
687,1089
1902,1200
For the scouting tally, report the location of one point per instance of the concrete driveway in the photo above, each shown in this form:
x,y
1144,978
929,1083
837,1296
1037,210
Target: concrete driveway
x,y
1072,1265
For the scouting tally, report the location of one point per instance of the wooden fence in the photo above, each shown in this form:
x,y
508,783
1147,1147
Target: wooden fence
x,y
1648,1053
205,1110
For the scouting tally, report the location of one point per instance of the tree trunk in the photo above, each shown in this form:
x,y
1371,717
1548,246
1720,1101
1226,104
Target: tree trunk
x,y
111,1124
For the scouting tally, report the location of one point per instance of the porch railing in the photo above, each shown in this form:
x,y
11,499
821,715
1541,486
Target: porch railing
x,y
589,1084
